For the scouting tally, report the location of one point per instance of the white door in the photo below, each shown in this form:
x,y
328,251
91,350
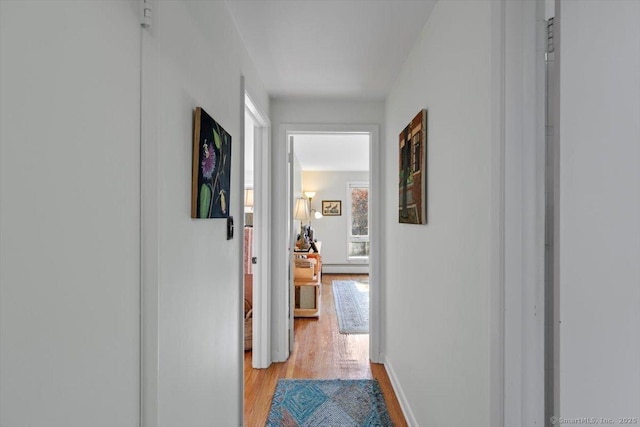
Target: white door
x,y
292,242
257,132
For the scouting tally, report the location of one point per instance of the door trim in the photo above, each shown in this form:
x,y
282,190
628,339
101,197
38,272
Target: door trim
x,y
149,232
281,260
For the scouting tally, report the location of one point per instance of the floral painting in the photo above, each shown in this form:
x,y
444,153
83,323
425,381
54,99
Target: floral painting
x,y
211,168
412,166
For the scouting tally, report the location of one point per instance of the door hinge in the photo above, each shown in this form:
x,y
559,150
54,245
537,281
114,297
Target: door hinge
x,y
550,41
146,10
254,260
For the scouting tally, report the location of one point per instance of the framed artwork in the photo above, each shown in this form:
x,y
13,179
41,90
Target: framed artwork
x,y
211,173
412,166
331,207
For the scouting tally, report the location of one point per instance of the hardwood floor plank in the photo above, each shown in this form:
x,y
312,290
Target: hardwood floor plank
x,y
320,352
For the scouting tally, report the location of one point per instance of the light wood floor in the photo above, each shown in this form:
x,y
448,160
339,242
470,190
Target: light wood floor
x,y
320,352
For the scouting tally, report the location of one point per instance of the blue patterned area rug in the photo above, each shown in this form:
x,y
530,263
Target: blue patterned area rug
x,y
328,403
352,306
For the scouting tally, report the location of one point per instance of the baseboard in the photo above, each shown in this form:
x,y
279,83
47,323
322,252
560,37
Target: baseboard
x,y
402,398
345,269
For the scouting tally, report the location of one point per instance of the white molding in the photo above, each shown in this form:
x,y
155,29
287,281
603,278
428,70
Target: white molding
x,y
280,348
553,115
375,240
497,249
239,234
402,398
279,262
149,232
522,160
525,213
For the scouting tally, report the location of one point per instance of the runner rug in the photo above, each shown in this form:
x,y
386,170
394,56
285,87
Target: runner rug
x,y
352,306
344,403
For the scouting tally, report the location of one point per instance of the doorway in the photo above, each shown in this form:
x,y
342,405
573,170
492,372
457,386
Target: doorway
x,y
285,293
256,234
330,229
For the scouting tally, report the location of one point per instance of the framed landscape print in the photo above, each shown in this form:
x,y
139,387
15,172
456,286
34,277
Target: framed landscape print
x,y
211,174
331,207
412,166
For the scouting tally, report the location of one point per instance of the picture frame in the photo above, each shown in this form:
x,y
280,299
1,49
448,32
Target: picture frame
x,y
211,173
412,168
332,207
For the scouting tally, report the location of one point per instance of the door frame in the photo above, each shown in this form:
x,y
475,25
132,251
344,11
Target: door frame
x,y
517,297
282,318
262,233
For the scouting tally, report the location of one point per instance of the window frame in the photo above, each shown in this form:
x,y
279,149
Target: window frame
x,y
363,259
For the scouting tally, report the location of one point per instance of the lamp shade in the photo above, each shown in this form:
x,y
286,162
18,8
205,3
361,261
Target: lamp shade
x,y
301,210
248,197
310,194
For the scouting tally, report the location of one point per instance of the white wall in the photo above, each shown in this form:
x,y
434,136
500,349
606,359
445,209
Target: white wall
x,y
599,209
72,115
437,328
69,216
332,230
200,60
326,111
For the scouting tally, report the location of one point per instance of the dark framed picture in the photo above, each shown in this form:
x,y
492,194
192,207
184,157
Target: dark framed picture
x,y
412,163
331,207
211,181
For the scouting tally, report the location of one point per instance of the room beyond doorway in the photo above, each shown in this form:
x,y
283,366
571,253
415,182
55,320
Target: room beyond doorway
x,y
334,170
283,238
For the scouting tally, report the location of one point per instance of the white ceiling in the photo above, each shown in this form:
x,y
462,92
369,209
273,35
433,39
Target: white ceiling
x,y
332,152
329,48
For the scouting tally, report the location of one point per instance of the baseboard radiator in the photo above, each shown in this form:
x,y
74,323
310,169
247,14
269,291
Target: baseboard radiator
x,y
345,268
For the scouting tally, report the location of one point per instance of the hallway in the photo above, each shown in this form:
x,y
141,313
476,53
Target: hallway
x,y
117,308
319,352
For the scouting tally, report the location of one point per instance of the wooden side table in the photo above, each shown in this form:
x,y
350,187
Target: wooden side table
x,y
307,283
307,299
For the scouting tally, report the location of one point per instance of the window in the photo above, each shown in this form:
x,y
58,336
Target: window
x,y
415,158
358,221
